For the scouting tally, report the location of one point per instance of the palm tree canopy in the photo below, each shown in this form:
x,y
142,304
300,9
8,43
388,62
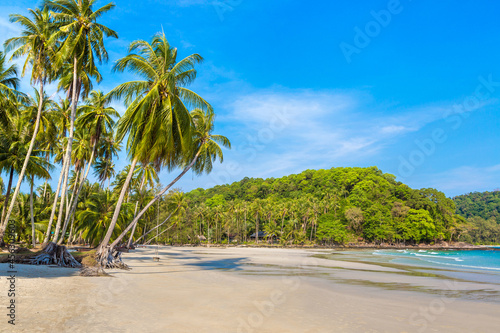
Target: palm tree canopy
x,y
157,119
205,142
8,83
34,43
97,116
82,36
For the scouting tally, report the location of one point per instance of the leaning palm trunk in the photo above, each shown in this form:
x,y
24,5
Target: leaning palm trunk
x,y
74,102
135,213
33,240
159,225
26,160
7,194
58,235
131,239
64,200
75,201
116,213
105,256
149,241
71,230
54,206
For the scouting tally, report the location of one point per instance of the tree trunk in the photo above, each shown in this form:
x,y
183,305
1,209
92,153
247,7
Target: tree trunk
x,y
75,199
28,155
60,236
282,222
257,227
71,229
158,196
159,225
64,200
116,213
44,190
54,254
149,241
33,240
135,213
74,101
7,194
54,206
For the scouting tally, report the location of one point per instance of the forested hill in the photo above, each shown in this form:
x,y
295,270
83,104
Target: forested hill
x,y
326,206
482,204
482,210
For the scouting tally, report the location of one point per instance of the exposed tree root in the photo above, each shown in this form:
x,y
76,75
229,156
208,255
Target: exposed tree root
x,y
54,254
111,258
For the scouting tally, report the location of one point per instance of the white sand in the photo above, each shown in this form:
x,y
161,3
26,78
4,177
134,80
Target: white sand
x,y
244,290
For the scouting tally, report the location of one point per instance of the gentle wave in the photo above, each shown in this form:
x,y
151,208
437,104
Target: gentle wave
x,y
468,260
466,266
437,257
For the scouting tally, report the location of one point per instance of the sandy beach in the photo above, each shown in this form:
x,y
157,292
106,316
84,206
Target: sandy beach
x,y
248,290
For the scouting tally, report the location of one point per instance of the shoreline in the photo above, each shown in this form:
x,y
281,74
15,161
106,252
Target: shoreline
x,y
346,247
247,290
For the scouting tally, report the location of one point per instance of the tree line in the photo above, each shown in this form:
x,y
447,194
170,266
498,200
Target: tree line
x,y
335,206
482,211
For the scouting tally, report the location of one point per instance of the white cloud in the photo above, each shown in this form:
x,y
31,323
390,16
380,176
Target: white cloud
x,y
466,179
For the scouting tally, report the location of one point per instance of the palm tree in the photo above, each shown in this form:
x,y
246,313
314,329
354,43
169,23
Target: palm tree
x,y
13,152
82,41
104,169
176,205
95,218
8,104
8,82
157,119
61,116
149,175
205,151
97,119
35,44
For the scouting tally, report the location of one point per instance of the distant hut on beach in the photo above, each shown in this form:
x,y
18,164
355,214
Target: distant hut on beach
x,y
262,235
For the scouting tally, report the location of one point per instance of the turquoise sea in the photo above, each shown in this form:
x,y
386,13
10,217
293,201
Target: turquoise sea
x,y
481,265
487,260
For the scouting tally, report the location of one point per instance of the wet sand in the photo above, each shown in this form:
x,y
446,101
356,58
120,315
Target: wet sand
x,y
249,290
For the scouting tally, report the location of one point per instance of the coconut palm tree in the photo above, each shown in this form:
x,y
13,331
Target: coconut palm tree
x,y
104,169
34,44
157,120
61,113
176,205
8,104
149,176
82,42
8,83
95,218
14,145
96,118
205,151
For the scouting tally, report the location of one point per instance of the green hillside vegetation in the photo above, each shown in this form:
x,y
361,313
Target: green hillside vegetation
x,y
482,210
333,206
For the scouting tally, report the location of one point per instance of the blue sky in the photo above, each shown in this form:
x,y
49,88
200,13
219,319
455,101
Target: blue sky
x,y
411,87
